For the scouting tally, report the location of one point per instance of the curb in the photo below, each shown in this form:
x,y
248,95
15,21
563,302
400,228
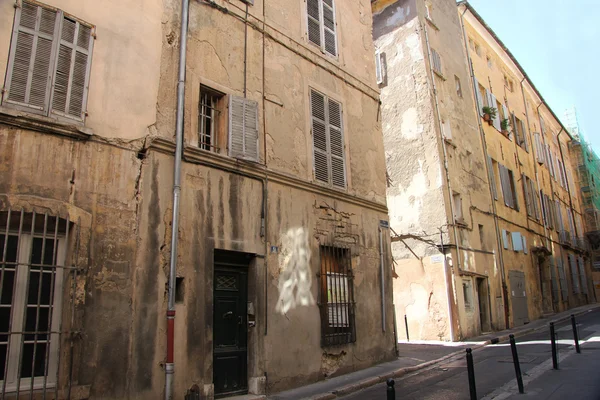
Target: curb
x,y
366,383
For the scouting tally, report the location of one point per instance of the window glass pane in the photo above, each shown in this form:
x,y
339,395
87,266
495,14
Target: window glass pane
x,y
30,368
39,292
36,251
34,319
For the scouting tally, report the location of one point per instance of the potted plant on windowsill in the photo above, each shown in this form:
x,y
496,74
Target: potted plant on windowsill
x,y
504,126
489,113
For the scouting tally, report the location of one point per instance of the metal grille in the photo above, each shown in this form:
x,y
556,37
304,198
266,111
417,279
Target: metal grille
x,y
33,279
207,119
336,296
226,282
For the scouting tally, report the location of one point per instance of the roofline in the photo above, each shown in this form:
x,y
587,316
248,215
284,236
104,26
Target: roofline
x,y
514,60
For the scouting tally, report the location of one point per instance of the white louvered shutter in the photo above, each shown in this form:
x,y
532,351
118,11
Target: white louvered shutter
x,y
513,122
378,67
314,21
243,128
535,199
497,119
505,183
505,239
329,34
525,250
319,132
336,140
32,52
73,62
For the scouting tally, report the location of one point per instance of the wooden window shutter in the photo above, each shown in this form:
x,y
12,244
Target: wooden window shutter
x,y
492,177
319,132
513,121
73,63
336,140
329,32
314,21
505,239
32,51
527,194
243,128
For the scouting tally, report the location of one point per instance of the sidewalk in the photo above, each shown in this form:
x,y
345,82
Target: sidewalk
x,y
413,357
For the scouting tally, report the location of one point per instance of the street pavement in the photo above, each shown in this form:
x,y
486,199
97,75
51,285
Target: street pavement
x,y
578,377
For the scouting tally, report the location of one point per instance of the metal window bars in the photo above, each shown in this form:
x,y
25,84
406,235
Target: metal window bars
x,y
33,279
336,297
207,118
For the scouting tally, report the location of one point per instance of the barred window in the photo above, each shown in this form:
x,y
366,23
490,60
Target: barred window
x,y
337,297
208,118
32,254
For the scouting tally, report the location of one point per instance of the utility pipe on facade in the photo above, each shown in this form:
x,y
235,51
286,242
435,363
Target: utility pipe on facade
x,y
447,173
169,365
488,171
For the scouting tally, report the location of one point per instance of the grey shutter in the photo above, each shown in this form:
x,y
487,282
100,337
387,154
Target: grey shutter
x,y
513,189
517,242
574,274
478,97
336,144
527,194
563,278
319,132
542,125
73,63
539,148
555,290
525,250
378,69
581,265
492,177
513,121
505,239
559,219
329,34
524,133
243,128
32,52
314,21
505,183
536,196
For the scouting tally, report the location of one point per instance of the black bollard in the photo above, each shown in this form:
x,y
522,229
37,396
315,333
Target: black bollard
x,y
391,392
513,347
553,342
575,334
471,373
406,325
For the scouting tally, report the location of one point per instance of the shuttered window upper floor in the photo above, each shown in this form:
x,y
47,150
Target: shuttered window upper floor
x,y
49,63
322,26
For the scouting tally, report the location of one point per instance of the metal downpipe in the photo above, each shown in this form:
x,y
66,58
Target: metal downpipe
x,y
169,365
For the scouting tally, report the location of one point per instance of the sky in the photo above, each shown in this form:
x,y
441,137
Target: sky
x,y
557,42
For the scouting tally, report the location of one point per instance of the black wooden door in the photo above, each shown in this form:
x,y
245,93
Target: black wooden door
x,y
230,336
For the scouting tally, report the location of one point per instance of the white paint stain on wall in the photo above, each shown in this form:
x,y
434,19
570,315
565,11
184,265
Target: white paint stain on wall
x,y
410,127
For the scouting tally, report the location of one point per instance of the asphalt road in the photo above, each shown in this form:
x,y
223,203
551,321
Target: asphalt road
x,y
494,368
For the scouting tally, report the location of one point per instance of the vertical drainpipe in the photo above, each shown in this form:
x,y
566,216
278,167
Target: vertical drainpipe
x,y
447,174
381,268
488,171
169,365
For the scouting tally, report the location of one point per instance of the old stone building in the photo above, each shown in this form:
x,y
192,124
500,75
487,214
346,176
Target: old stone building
x,y
485,218
219,163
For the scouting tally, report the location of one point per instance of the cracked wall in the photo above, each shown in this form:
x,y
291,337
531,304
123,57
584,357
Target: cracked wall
x,y
426,163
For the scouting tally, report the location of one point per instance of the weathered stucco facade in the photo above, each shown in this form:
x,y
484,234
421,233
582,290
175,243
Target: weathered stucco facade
x,y
108,175
453,212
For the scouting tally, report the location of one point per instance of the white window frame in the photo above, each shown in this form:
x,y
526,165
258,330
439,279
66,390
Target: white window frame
x,y
18,315
47,109
322,27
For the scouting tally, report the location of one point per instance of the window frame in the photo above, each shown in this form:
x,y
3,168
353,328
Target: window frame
x,y
217,99
328,151
48,109
322,27
19,306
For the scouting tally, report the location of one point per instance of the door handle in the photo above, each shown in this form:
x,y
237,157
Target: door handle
x,y
240,319
227,314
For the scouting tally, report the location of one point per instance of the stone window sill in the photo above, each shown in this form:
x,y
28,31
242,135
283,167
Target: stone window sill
x,y
25,120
